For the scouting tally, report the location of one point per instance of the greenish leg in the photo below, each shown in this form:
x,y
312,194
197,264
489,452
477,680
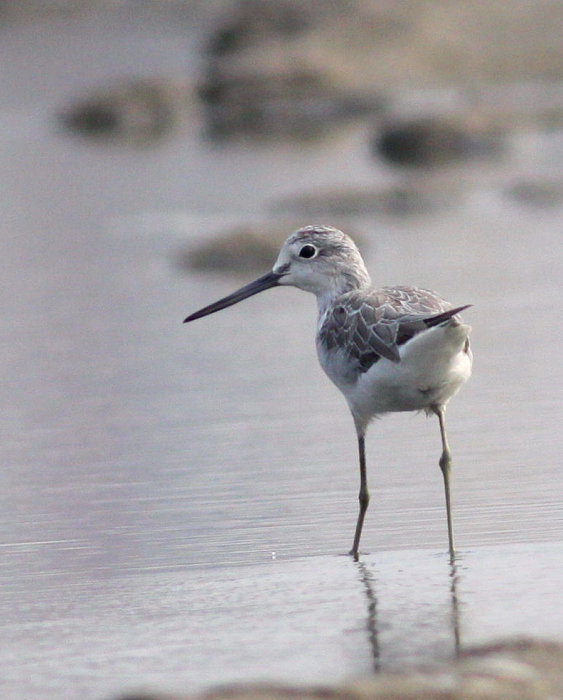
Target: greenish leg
x,y
363,496
446,467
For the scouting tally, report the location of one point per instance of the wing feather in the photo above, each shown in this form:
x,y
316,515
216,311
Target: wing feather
x,y
369,327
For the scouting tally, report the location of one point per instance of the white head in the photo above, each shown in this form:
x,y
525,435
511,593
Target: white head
x,y
317,259
321,260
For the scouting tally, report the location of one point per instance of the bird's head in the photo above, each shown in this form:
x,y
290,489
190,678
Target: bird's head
x,y
317,259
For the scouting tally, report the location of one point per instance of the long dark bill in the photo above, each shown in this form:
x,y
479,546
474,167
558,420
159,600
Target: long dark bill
x,y
259,285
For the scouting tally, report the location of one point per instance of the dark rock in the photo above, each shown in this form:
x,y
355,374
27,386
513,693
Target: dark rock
x,y
435,141
397,200
380,45
135,111
536,193
245,249
253,20
297,104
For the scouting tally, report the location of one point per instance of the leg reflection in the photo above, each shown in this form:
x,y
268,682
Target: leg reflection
x,y
448,630
371,622
455,615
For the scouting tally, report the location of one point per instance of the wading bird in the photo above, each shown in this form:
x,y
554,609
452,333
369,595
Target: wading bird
x,y
387,349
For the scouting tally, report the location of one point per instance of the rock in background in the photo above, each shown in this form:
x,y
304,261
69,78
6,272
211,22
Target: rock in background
x,y
369,45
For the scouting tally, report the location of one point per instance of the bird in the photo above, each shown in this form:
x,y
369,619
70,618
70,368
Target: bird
x,y
388,349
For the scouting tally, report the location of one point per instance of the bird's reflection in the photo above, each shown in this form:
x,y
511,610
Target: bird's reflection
x,y
373,625
455,619
371,620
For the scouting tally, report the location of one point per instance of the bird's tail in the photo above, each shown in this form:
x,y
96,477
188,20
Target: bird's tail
x,y
444,338
438,319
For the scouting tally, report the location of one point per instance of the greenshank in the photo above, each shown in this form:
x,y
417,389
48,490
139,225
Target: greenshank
x,y
387,349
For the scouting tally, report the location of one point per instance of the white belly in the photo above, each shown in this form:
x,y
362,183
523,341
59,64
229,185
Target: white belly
x,y
433,367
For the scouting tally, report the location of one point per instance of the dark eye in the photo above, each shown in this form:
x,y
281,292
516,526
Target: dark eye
x,y
308,251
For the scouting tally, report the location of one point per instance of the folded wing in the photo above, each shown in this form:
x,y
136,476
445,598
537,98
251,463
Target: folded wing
x,y
370,327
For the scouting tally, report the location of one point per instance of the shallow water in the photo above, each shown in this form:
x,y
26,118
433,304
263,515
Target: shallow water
x,y
174,498
316,619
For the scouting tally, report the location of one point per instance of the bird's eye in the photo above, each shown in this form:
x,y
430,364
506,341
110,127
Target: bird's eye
x,y
308,251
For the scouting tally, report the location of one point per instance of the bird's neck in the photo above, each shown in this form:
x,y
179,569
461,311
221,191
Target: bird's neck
x,y
342,285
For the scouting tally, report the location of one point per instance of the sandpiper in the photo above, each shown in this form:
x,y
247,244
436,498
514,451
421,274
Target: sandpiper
x,y
387,349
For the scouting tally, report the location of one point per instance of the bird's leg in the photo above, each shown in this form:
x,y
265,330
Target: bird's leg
x,y
446,467
363,496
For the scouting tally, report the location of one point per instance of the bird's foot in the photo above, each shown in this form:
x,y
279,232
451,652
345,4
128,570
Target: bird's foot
x,y
354,554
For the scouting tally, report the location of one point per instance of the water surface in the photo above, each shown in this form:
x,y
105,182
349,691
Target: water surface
x,y
176,499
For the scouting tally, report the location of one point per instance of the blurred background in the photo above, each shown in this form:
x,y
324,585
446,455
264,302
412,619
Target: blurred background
x,y
154,156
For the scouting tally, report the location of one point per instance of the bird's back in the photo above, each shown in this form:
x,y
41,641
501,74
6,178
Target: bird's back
x,y
418,334
374,324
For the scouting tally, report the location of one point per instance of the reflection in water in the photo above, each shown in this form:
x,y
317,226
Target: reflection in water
x,y
124,477
374,624
455,617
371,621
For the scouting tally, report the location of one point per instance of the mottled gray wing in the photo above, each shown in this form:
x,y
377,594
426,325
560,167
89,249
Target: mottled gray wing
x,y
357,325
411,301
412,309
367,327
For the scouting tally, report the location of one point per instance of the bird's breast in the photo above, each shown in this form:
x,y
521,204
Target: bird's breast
x,y
432,368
